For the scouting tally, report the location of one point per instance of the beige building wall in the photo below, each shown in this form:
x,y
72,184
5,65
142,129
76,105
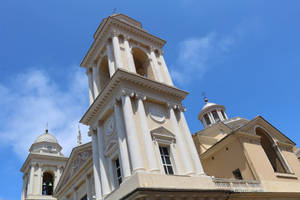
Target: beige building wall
x,y
222,162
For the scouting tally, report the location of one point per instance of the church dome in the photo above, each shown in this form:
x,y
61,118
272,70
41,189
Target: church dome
x,y
46,143
211,113
46,137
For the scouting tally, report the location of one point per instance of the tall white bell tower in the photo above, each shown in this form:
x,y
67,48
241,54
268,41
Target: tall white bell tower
x,y
136,117
42,168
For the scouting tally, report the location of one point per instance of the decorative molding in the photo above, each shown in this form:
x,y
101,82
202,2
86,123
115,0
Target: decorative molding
x,y
162,135
156,113
119,80
110,148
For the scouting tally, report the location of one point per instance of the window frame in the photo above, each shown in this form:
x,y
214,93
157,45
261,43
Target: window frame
x,y
163,157
163,137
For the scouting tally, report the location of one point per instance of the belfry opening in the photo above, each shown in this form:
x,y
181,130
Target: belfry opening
x,y
47,186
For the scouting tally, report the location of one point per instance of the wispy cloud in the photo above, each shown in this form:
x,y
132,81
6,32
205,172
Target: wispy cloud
x,y
32,99
197,55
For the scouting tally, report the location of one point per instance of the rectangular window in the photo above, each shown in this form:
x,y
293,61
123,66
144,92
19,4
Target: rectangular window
x,y
207,120
237,174
166,161
216,116
118,171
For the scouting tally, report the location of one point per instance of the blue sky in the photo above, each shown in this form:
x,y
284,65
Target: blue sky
x,y
243,54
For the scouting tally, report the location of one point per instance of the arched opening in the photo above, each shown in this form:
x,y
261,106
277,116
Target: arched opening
x,y
271,151
142,63
104,72
47,186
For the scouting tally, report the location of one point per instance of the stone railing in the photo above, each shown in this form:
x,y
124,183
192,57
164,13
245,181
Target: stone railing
x,y
238,185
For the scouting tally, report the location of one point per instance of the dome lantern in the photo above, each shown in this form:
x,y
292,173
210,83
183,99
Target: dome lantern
x,y
212,113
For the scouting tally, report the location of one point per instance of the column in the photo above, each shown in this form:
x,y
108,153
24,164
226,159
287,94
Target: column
x,y
137,162
165,69
40,180
102,161
117,51
156,66
111,64
191,144
153,166
30,186
91,89
187,167
88,185
124,158
129,56
96,167
96,80
74,194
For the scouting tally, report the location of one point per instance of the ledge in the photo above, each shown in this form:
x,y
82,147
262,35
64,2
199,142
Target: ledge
x,y
285,175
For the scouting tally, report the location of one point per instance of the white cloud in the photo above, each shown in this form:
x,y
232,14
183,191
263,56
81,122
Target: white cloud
x,y
197,55
32,99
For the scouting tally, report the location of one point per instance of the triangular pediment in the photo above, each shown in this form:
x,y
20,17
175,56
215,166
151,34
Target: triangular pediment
x,y
161,133
79,157
259,121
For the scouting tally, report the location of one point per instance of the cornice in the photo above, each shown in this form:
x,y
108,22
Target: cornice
x,y
118,81
42,157
102,35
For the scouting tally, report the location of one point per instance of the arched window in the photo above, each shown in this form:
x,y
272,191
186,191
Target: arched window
x,y
271,150
47,186
104,72
142,63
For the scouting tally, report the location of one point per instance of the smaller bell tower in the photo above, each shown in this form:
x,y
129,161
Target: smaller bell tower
x,y
42,168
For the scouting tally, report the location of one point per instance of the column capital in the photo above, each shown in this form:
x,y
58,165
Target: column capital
x,y
140,96
182,108
115,33
161,52
172,105
127,93
126,38
152,48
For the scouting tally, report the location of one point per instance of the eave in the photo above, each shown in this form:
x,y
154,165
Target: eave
x,y
120,76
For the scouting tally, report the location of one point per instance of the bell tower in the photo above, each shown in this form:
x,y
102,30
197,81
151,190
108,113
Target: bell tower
x,y
42,168
136,117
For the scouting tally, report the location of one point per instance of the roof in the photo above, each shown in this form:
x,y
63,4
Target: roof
x,y
46,137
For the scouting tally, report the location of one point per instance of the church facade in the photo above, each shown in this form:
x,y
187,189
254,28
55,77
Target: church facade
x,y
141,146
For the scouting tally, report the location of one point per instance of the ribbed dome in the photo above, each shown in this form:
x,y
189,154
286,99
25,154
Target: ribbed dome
x,y
46,137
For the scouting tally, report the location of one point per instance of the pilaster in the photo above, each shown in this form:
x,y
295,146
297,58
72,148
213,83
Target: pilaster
x,y
152,163
186,162
117,51
132,136
103,163
96,166
124,157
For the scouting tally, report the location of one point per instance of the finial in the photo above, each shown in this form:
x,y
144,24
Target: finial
x,y
204,97
79,139
114,10
47,128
